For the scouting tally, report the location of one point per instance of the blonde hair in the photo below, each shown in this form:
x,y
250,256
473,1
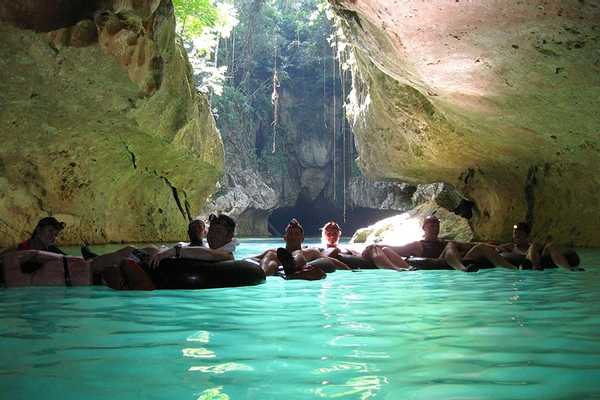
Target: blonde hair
x,y
328,226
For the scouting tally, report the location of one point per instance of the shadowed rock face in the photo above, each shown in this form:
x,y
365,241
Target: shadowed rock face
x,y
499,99
100,124
47,15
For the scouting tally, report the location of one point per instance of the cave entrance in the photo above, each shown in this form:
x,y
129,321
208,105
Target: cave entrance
x,y
314,214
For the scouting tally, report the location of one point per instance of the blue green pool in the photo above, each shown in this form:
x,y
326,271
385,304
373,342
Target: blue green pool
x,y
495,334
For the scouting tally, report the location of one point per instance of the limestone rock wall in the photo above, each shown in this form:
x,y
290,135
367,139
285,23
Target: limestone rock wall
x,y
499,99
100,124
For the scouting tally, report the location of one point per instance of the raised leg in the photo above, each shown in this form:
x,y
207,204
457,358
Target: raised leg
x,y
489,253
269,262
386,258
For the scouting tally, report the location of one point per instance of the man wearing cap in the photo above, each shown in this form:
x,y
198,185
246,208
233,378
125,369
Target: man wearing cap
x,y
523,253
39,262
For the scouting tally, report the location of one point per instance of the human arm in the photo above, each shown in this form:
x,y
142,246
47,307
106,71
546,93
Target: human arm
x,y
505,248
414,249
311,253
453,253
193,252
40,256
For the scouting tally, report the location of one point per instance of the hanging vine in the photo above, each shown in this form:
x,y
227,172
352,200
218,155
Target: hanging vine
x,y
333,124
275,102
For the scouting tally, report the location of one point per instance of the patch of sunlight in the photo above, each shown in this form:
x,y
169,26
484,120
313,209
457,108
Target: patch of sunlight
x,y
362,387
221,368
198,353
394,231
345,366
213,394
200,336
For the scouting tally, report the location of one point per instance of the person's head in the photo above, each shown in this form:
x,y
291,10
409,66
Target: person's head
x,y
196,231
521,233
294,234
46,231
330,234
220,230
431,227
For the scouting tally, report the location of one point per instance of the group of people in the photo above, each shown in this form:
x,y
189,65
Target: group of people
x,y
39,262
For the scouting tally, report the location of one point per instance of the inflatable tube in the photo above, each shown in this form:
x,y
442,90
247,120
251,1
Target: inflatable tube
x,y
325,264
356,262
517,260
428,264
183,273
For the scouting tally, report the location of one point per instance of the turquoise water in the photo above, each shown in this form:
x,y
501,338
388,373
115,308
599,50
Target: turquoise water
x,y
495,334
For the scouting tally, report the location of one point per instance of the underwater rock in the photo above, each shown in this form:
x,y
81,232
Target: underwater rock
x,y
498,99
100,124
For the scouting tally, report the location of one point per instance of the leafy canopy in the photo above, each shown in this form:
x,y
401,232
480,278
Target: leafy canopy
x,y
194,15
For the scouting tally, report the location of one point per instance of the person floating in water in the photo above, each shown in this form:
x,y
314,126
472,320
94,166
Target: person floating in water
x,y
524,253
330,240
298,262
39,262
220,239
133,275
456,254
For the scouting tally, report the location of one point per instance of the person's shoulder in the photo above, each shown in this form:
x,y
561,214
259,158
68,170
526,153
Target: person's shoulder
x,y
24,245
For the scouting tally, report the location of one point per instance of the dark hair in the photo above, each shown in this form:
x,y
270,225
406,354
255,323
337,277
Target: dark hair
x,y
522,226
224,220
192,232
294,224
431,219
331,225
48,221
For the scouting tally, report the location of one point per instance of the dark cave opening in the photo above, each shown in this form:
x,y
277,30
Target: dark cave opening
x,y
314,214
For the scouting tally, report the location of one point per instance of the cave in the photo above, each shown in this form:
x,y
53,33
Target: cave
x,y
314,214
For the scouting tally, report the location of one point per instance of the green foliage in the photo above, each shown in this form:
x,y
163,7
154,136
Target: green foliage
x,y
193,16
283,36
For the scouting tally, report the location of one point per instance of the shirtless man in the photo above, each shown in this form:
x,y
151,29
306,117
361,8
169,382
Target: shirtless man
x,y
456,254
39,262
523,253
131,275
295,260
221,243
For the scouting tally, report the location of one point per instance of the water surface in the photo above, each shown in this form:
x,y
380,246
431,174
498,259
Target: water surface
x,y
356,335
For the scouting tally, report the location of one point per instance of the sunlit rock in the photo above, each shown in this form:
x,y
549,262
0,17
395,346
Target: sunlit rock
x,y
406,227
100,123
499,99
